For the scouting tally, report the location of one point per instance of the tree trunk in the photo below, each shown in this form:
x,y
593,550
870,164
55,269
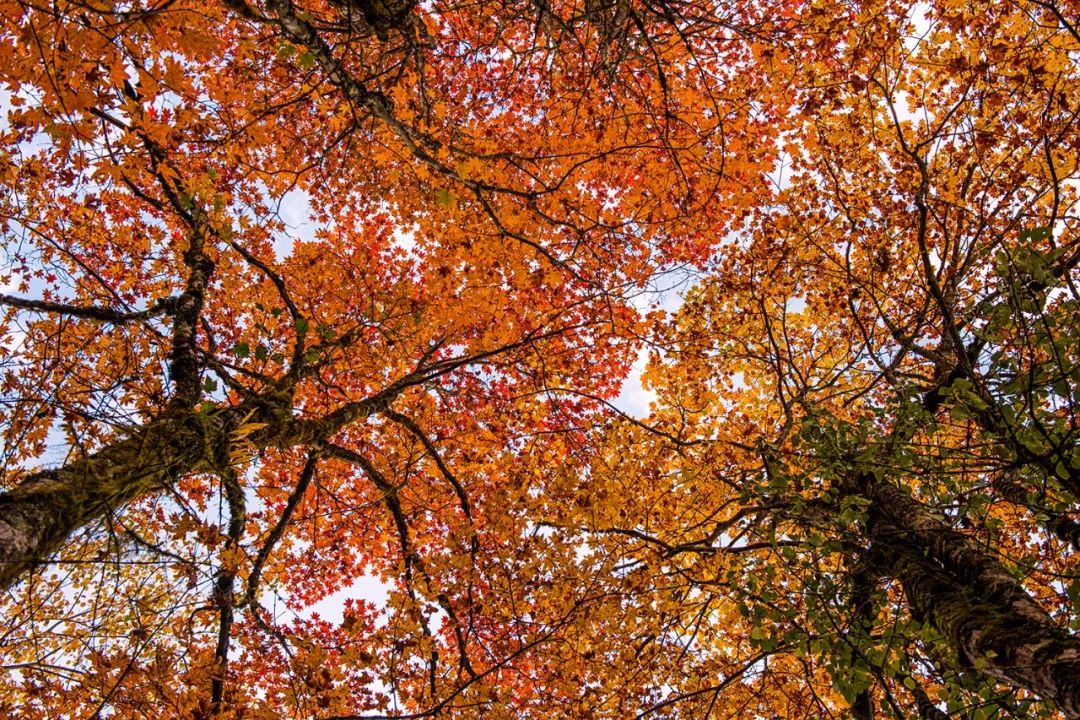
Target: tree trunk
x,y
46,508
993,624
998,640
40,513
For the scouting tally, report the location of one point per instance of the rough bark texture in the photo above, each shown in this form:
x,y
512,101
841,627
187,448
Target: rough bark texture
x,y
911,521
47,507
998,640
38,515
951,583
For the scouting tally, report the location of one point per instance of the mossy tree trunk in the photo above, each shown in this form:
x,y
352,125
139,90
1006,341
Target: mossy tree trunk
x,y
993,625
44,510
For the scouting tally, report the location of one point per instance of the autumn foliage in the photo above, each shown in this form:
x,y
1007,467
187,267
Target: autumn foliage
x,y
316,317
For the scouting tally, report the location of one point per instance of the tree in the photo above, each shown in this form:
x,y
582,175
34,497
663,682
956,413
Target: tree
x,y
854,494
865,451
209,415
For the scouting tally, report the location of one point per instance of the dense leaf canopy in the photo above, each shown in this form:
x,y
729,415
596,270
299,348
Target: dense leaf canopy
x,y
316,315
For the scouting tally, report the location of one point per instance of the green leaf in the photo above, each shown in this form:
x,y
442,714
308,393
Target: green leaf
x,y
241,349
1037,233
762,639
1073,591
260,352
210,384
444,198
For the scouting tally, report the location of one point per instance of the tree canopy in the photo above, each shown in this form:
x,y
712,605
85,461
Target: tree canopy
x,y
317,304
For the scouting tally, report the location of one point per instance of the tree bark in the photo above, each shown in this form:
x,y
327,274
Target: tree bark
x,y
993,625
39,514
998,640
46,508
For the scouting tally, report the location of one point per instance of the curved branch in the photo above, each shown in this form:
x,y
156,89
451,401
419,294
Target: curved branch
x,y
161,306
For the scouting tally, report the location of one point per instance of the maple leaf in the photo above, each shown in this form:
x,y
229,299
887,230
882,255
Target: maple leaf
x,y
316,314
